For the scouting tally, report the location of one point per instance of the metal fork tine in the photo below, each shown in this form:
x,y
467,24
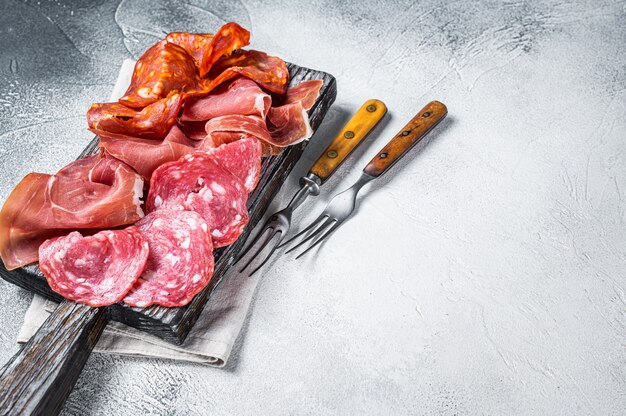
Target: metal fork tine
x,y
269,238
256,239
315,223
323,225
268,254
321,238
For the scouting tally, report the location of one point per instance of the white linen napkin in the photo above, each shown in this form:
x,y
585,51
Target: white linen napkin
x,y
211,339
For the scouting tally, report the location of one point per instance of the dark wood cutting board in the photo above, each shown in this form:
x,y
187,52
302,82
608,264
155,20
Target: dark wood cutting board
x,y
39,378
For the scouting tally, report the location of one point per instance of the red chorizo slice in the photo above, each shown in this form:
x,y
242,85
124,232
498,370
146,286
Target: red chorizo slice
x,y
163,69
97,270
180,263
197,183
152,122
269,72
196,44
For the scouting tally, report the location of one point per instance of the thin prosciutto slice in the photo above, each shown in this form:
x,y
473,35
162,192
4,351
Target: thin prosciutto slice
x,y
96,270
145,155
90,193
242,96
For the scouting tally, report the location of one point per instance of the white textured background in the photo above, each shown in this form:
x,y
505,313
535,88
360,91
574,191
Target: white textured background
x,y
485,275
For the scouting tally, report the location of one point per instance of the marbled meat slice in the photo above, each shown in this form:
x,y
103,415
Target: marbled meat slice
x,y
90,193
145,155
269,72
242,96
162,69
152,122
180,263
96,270
242,158
197,183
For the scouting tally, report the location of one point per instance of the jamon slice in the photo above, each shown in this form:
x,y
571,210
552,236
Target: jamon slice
x,y
151,122
288,124
269,72
180,263
90,193
145,155
197,183
242,96
305,92
97,270
237,126
242,158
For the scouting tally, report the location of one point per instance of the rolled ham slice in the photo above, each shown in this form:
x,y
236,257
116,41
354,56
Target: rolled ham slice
x,y
91,193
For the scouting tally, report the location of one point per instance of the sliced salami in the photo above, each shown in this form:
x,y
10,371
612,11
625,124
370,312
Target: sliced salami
x,y
97,270
180,263
242,158
197,183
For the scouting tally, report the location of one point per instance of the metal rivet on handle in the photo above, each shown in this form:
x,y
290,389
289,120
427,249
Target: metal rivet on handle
x,y
371,108
331,154
383,155
426,114
406,133
348,134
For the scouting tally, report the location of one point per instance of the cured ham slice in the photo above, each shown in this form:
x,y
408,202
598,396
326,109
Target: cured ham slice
x,y
242,96
152,122
242,158
180,263
90,193
97,270
198,183
269,72
305,92
288,124
164,68
145,155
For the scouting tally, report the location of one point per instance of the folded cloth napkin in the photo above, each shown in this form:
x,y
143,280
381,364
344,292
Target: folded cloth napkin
x,y
211,339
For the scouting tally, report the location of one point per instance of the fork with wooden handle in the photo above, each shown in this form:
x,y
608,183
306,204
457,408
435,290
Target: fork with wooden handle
x,y
342,205
277,226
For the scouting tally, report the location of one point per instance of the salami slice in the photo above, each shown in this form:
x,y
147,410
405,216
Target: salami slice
x,y
269,72
163,68
152,122
180,263
197,183
242,158
97,270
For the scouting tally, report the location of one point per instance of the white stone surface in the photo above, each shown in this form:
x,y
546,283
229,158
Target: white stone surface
x,y
484,275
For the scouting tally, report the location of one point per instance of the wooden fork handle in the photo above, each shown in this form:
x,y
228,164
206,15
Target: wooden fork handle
x,y
409,136
353,133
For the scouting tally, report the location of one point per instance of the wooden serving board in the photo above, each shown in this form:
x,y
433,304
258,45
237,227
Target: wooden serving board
x,y
38,379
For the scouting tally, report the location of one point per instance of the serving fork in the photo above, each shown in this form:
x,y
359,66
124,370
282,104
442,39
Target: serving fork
x,y
278,224
342,205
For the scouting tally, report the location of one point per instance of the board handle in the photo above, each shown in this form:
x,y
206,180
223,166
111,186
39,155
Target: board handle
x,y
39,378
353,133
409,136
